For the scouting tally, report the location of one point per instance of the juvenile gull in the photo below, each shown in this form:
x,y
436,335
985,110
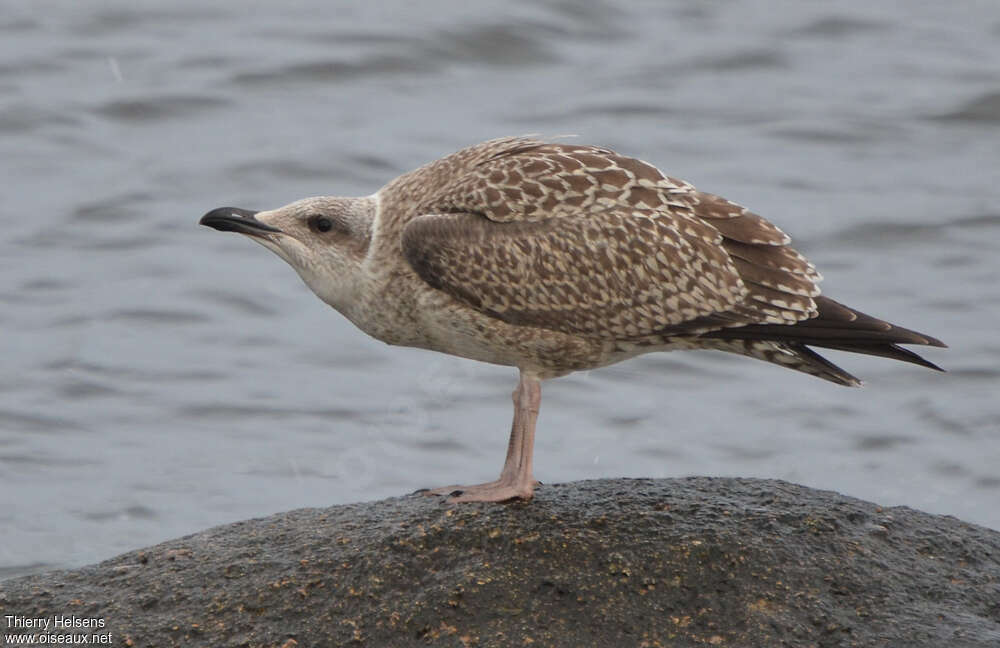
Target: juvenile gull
x,y
554,258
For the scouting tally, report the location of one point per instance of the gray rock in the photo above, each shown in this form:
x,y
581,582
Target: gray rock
x,y
674,562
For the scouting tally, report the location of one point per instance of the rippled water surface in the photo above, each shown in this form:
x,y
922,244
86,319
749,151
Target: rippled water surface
x,y
159,377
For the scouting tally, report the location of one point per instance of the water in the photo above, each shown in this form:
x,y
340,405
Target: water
x,y
159,377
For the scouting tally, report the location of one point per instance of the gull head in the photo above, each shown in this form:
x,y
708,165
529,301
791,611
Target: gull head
x,y
326,240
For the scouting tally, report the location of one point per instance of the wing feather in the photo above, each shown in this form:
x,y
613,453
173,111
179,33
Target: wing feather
x,y
582,240
623,275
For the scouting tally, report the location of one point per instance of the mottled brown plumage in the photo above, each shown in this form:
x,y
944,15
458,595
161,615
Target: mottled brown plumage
x,y
555,257
586,242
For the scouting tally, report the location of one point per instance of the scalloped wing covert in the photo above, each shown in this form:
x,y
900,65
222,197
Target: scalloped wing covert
x,y
582,240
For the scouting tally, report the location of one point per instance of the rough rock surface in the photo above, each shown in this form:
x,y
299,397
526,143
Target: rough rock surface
x,y
676,562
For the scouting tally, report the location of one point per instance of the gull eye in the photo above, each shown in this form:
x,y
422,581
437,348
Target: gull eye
x,y
320,223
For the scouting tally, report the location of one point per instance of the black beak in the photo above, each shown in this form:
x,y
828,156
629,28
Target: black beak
x,y
234,219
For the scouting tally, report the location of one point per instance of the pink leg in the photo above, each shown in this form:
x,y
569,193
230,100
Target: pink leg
x,y
516,478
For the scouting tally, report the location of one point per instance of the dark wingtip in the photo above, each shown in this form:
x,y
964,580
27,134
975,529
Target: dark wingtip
x,y
839,327
906,355
902,335
934,342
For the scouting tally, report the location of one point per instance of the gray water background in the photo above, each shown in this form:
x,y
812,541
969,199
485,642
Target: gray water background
x,y
158,377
